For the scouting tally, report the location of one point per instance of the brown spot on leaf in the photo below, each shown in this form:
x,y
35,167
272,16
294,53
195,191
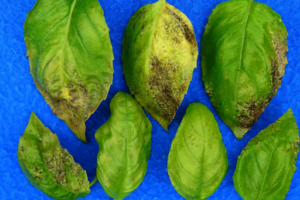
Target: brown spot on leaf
x,y
250,112
278,63
160,82
187,32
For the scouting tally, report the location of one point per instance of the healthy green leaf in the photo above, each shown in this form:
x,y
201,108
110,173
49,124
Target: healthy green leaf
x,y
70,57
197,160
159,55
124,141
243,60
48,166
266,166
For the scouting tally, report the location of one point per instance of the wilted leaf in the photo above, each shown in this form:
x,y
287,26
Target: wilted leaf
x,y
197,160
266,166
159,55
70,57
124,141
48,166
243,60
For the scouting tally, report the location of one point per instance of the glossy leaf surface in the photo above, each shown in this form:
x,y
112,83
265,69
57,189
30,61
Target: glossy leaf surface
x,y
266,166
243,60
70,57
48,166
159,55
197,160
124,142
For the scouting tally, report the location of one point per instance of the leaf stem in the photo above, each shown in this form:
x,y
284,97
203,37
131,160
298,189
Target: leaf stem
x,y
94,181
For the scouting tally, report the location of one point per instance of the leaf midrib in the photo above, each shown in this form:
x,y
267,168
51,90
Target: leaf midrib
x,y
152,34
250,2
66,39
126,152
269,163
267,169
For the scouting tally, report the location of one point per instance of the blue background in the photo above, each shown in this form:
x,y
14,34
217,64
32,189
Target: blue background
x,y
19,96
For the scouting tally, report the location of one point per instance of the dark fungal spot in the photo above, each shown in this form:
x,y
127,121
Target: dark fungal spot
x,y
22,148
38,178
188,34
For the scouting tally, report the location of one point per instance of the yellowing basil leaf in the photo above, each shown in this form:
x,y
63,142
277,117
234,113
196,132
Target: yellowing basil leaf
x,y
159,55
48,166
70,57
197,160
243,60
124,142
266,166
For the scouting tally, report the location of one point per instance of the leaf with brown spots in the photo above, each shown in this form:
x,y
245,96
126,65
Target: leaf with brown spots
x,y
243,60
70,57
159,55
49,167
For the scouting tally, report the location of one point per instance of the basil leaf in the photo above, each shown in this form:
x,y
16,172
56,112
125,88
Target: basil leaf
x,y
159,55
266,166
124,141
70,57
243,60
48,166
197,161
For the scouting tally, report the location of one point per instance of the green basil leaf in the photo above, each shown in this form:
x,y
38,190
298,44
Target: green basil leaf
x,y
243,60
197,161
70,57
159,55
266,165
125,142
48,166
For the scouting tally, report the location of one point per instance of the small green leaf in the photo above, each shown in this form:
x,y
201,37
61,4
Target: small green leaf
x,y
159,55
197,160
243,60
48,166
70,57
266,166
125,142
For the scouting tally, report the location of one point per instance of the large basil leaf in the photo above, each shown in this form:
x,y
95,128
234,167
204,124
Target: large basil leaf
x,y
266,166
243,60
197,160
70,57
159,55
48,166
124,141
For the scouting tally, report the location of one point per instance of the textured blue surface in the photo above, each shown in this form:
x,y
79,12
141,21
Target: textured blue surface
x,y
19,96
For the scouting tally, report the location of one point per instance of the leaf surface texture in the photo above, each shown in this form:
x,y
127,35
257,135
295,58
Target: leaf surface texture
x,y
70,57
159,55
48,166
243,60
266,165
124,142
197,160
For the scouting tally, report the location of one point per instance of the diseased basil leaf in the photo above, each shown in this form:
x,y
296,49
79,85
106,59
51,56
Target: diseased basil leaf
x,y
197,160
70,57
266,166
159,55
125,142
48,166
243,60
